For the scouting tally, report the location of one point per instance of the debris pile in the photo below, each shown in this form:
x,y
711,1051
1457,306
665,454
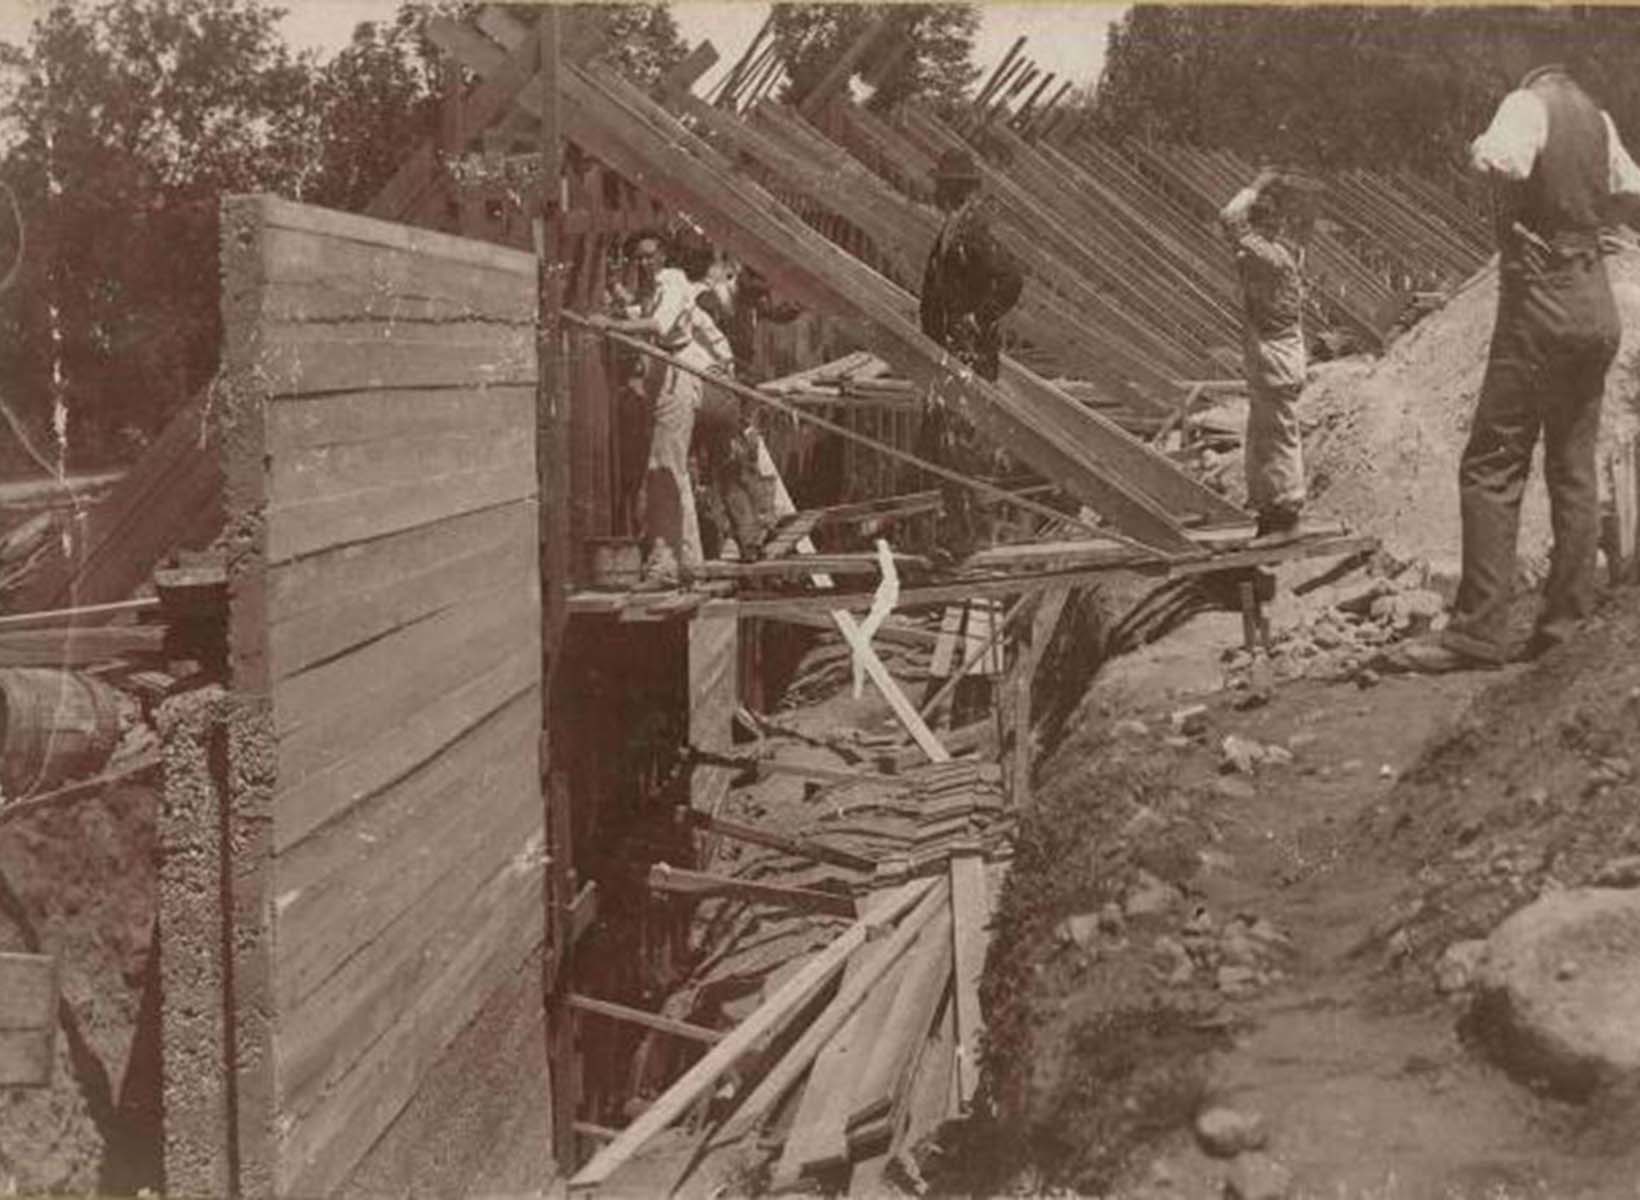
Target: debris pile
x,y
1384,437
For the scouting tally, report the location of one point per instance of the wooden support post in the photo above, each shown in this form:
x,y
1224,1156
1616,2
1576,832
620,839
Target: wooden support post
x,y
714,648
1022,684
553,468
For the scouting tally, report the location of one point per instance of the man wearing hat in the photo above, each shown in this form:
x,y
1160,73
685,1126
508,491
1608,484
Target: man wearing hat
x,y
969,284
1560,173
1268,224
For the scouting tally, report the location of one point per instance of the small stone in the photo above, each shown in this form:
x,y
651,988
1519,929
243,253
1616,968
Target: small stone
x,y
1236,981
1619,873
1145,820
1257,1177
1366,677
1200,921
1566,971
1151,897
1350,766
1228,787
1176,743
1226,1132
1129,728
1386,772
1190,721
1455,971
1081,930
1238,949
1278,756
1240,754
1302,738
1111,920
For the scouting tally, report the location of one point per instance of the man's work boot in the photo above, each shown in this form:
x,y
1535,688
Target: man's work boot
x,y
1277,525
660,570
1429,656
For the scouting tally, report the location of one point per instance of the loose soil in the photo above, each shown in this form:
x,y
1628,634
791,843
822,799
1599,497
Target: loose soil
x,y
1175,934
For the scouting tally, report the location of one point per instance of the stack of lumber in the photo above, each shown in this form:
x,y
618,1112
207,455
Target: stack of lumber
x,y
867,1046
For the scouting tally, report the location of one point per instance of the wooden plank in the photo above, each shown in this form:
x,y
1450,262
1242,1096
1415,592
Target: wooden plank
x,y
649,1020
817,1141
370,418
768,1020
171,497
26,1057
797,1060
306,359
682,882
945,649
797,847
328,603
324,714
904,711
338,892
496,933
306,218
344,1019
302,805
970,916
315,277
927,1099
331,495
903,1031
28,992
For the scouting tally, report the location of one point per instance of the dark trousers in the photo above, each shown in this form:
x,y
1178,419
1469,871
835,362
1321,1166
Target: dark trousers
x,y
1555,336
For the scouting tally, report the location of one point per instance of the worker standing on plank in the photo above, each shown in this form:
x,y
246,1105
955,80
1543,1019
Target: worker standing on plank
x,y
969,284
666,312
1268,224
736,300
1559,171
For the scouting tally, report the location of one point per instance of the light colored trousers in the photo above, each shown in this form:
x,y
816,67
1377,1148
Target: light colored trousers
x,y
1274,453
669,498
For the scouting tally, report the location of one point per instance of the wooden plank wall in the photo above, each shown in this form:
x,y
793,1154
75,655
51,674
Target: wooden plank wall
x,y
380,455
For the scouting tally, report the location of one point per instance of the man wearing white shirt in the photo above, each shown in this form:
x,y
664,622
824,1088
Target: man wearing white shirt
x,y
668,315
1560,172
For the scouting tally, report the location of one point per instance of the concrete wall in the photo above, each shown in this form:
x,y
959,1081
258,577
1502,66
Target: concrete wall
x,y
381,821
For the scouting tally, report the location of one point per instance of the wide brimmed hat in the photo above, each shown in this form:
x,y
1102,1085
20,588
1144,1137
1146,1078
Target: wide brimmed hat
x,y
957,165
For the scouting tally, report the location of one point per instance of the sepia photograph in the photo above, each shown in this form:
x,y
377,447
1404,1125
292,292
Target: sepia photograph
x,y
726,598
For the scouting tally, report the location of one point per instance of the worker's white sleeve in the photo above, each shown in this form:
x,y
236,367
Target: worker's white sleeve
x,y
672,298
1625,176
1511,144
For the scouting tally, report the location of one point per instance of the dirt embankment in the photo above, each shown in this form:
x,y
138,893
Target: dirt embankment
x,y
1383,437
1249,907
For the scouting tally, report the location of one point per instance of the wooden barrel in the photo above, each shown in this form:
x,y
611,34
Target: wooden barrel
x,y
54,726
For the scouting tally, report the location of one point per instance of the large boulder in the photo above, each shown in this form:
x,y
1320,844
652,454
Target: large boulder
x,y
1557,993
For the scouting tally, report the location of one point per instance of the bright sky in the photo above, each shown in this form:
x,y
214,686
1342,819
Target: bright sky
x,y
1067,39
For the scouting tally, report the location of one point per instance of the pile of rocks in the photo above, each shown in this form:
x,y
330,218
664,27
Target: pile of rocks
x,y
1336,637
1186,946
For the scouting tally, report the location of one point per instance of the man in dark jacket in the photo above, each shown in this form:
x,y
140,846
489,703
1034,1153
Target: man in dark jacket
x,y
1560,173
969,284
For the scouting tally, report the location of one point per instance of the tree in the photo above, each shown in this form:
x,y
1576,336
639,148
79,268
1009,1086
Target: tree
x,y
1343,85
937,66
130,119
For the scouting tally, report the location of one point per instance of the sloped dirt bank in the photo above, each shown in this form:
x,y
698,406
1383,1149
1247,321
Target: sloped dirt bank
x,y
1194,922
